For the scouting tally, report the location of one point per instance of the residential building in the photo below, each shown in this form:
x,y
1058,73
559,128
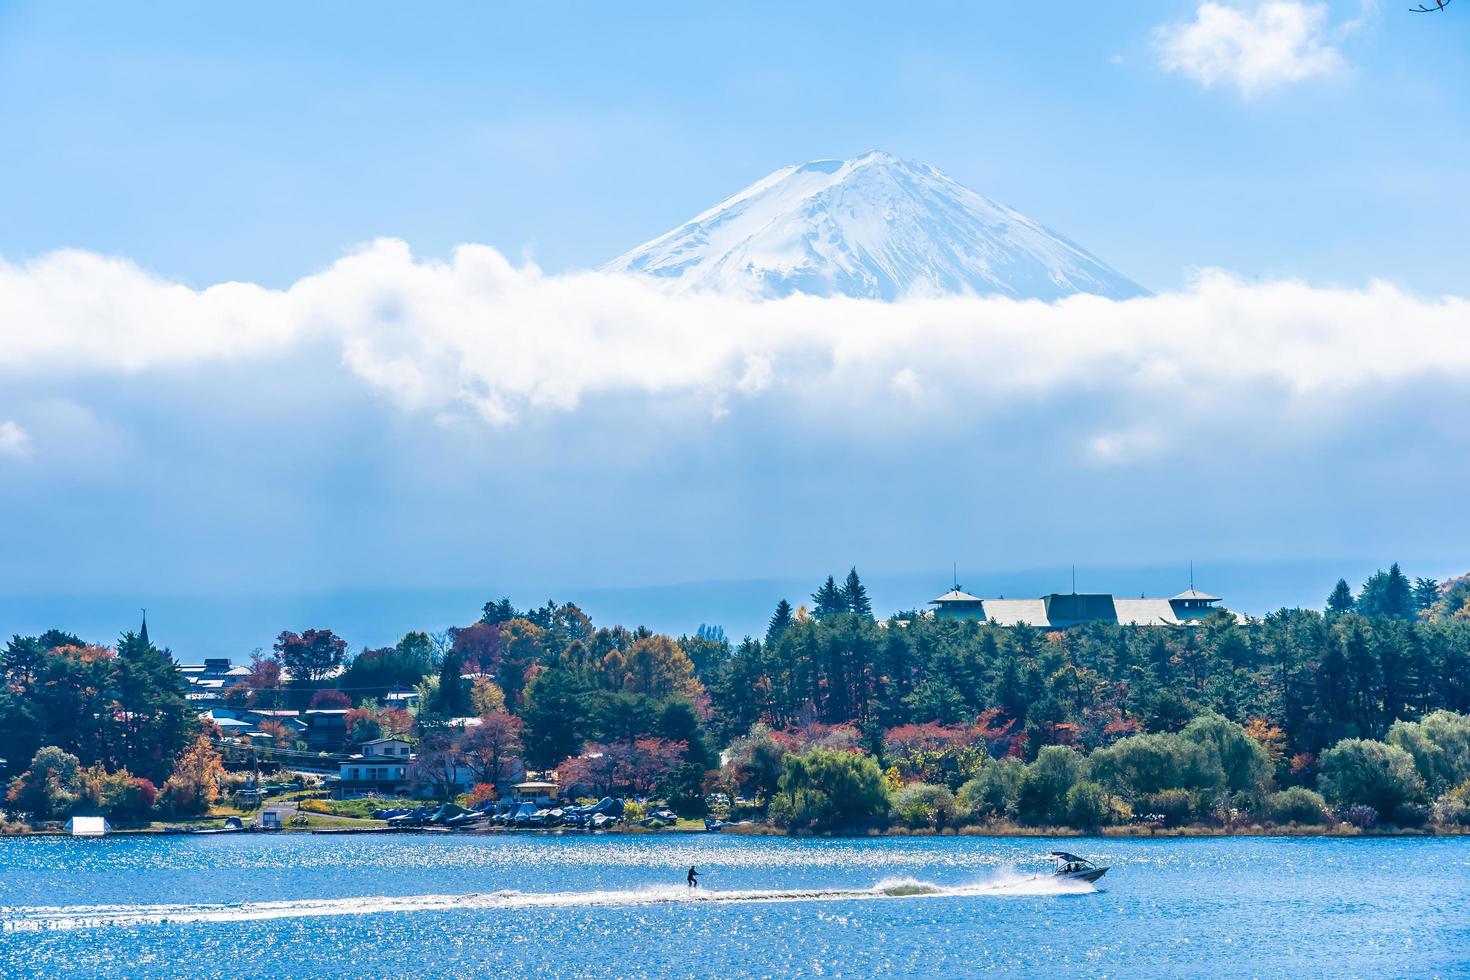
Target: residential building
x,y
383,767
1061,610
405,699
326,729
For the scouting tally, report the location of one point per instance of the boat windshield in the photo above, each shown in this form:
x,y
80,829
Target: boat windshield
x,y
1070,863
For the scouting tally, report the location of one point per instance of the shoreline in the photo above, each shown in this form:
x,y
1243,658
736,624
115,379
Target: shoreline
x,y
766,830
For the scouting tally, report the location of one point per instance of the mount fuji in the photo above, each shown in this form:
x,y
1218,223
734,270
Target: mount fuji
x,y
876,227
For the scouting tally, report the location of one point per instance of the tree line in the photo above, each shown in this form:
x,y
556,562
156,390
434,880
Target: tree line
x,y
629,710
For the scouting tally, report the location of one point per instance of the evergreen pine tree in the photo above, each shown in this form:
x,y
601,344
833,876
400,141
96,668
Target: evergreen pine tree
x,y
1341,599
152,717
555,715
828,600
780,619
22,658
855,596
1387,594
1399,594
498,612
453,697
1426,593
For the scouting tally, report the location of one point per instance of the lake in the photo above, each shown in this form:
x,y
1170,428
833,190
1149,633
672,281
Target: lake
x,y
253,905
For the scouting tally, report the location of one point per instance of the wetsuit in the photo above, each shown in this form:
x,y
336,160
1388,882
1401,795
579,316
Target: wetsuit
x,y
693,878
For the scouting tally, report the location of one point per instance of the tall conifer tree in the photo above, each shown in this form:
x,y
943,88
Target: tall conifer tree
x,y
855,596
828,600
780,619
1426,593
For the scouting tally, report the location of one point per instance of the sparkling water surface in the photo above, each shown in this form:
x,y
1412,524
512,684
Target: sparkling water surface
x,y
571,905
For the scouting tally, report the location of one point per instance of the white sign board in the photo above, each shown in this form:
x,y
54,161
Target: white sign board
x,y
87,826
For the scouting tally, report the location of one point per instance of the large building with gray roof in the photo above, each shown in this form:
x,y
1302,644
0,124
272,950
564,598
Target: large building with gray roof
x,y
1063,609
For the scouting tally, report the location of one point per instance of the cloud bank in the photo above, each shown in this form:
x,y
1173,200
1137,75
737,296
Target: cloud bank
x,y
392,418
478,336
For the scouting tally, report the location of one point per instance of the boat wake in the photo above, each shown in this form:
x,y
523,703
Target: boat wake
x,y
40,918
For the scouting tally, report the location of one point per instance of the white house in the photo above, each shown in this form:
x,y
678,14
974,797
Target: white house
x,y
387,748
383,766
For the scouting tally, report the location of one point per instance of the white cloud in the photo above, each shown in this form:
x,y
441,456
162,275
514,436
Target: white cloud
x,y
1123,445
14,441
480,337
1253,49
475,407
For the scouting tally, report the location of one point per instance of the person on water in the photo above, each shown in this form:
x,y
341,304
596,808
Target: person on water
x,y
693,877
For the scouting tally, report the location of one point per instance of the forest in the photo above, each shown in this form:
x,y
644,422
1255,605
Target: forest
x,y
831,719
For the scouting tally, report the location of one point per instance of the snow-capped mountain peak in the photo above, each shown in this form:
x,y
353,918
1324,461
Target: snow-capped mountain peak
x,y
875,227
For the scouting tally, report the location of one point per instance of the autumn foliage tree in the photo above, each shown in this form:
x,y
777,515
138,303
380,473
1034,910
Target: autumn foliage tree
x,y
311,657
930,753
331,700
194,785
491,750
653,665
633,766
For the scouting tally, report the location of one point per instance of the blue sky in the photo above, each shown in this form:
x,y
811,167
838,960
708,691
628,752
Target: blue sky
x,y
212,143
414,415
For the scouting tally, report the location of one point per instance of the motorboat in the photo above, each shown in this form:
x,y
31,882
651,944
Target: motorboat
x,y
1075,868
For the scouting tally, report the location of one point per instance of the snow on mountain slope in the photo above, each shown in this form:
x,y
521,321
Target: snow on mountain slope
x,y
874,227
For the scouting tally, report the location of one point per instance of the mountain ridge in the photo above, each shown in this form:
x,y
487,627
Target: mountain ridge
x,y
874,227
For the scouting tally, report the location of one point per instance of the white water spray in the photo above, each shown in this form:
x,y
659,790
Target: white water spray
x,y
41,918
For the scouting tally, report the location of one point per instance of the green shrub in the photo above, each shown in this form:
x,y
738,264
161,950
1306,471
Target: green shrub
x,y
1453,808
1171,807
49,788
1141,765
1042,795
1239,759
1087,806
1440,746
925,805
1296,805
1358,771
993,792
827,789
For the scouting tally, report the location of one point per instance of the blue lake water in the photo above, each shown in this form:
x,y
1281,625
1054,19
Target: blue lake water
x,y
575,906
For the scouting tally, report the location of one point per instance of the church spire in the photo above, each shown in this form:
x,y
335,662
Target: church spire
x,y
143,633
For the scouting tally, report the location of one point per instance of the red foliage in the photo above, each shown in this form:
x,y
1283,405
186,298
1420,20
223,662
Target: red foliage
x,y
1120,727
816,735
237,695
395,722
145,794
492,748
585,771
264,672
1063,733
1017,748
277,733
992,723
634,766
534,671
482,793
929,735
480,647
330,700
